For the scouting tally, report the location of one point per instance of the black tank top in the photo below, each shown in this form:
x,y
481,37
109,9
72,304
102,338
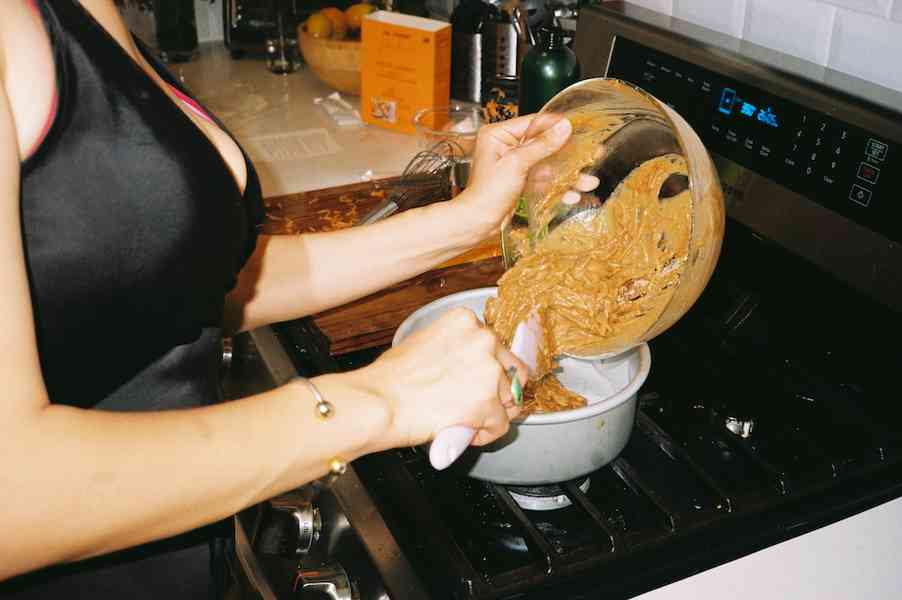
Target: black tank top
x,y
134,230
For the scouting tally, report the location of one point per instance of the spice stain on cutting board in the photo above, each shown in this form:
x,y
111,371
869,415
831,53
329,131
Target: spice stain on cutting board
x,y
372,321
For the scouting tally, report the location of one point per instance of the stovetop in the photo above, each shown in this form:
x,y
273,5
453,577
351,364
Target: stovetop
x,y
772,406
769,411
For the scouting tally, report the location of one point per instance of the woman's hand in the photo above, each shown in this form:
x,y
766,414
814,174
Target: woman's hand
x,y
503,156
453,372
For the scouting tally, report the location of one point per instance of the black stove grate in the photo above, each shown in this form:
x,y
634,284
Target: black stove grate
x,y
474,541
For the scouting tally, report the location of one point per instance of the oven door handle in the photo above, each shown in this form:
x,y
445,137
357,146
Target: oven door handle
x,y
249,564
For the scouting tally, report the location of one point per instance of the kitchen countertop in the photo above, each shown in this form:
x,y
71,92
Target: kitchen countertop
x,y
294,144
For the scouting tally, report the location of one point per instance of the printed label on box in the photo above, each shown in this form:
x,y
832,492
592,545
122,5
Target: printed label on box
x,y
384,109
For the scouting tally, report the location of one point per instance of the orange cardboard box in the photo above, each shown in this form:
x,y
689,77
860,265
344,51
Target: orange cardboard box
x,y
405,66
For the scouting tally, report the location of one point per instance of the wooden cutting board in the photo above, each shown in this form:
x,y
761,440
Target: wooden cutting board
x,y
372,321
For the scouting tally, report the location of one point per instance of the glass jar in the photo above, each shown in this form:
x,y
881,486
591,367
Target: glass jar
x,y
616,128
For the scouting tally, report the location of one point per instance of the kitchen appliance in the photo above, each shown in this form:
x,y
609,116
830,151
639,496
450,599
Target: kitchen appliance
x,y
766,459
467,23
247,24
503,45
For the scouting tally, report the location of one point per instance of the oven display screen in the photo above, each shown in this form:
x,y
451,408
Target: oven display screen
x,y
730,102
840,166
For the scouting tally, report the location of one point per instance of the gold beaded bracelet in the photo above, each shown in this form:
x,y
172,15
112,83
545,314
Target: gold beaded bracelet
x,y
326,410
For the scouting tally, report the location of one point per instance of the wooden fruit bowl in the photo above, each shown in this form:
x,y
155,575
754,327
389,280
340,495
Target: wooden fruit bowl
x,y
335,62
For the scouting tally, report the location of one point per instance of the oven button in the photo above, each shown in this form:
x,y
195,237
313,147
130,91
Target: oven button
x,y
868,172
876,150
860,195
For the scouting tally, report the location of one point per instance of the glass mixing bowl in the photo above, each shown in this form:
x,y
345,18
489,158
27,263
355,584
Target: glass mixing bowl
x,y
616,128
457,125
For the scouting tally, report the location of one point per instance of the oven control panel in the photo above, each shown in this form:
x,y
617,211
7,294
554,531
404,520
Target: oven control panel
x,y
855,172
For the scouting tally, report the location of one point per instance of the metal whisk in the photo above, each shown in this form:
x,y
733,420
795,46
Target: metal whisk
x,y
427,178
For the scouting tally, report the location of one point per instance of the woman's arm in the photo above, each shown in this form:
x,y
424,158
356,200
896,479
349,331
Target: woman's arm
x,y
292,276
77,483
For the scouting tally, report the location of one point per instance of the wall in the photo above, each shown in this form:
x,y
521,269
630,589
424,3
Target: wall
x,y
860,37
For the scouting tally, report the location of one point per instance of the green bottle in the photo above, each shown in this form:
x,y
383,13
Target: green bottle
x,y
548,67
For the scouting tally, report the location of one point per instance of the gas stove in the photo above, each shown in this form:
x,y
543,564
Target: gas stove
x,y
765,416
771,413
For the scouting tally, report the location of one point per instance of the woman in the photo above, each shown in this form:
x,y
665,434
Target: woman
x,y
128,249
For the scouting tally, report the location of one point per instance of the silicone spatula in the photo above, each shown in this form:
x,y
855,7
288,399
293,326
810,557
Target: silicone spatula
x,y
451,442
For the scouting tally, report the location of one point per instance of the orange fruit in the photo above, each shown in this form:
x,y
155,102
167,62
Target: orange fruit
x,y
319,25
339,23
355,14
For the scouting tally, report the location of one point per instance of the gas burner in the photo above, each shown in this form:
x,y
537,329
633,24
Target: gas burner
x,y
543,497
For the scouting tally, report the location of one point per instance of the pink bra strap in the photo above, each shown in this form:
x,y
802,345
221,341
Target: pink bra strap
x,y
192,104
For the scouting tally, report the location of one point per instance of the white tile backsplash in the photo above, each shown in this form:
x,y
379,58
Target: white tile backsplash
x,y
875,7
897,10
802,27
726,16
868,47
863,38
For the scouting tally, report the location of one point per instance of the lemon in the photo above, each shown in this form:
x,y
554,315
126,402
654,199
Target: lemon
x,y
319,25
355,14
339,22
